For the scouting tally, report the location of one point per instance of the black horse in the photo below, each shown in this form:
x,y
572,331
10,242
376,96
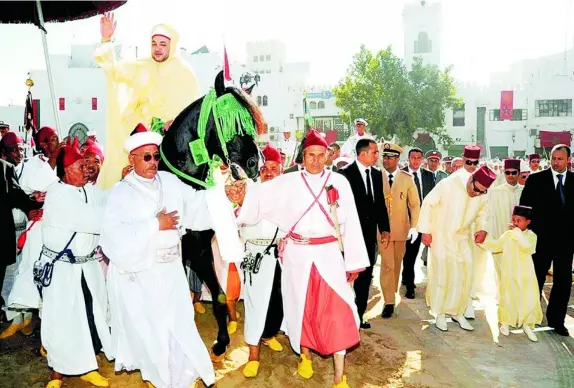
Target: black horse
x,y
242,152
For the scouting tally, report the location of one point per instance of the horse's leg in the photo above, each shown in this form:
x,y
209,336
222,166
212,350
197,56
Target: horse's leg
x,y
203,267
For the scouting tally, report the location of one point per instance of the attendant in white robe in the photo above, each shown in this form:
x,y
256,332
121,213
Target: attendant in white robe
x,y
152,314
454,207
319,302
262,276
75,303
501,202
349,147
36,174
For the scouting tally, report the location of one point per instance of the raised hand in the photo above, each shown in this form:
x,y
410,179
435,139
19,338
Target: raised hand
x,y
167,221
236,191
107,26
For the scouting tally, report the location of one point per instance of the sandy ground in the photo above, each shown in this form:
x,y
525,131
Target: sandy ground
x,y
405,351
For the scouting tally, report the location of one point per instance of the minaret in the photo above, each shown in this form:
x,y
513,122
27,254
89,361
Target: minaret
x,y
422,31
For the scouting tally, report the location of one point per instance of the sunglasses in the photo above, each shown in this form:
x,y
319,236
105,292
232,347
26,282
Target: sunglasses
x,y
524,176
511,173
147,157
471,162
476,189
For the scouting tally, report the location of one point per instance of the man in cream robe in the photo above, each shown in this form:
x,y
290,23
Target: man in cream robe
x,y
159,86
35,175
501,202
153,327
75,303
319,303
454,207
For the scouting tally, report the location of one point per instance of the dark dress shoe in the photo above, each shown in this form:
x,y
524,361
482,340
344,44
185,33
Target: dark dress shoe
x,y
410,294
388,311
365,325
561,330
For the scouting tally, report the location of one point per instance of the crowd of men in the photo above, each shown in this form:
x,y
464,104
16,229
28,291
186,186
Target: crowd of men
x,y
105,268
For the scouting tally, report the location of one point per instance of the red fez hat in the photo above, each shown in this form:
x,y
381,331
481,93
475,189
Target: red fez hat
x,y
484,175
271,154
433,154
523,211
71,152
471,152
45,133
10,139
92,147
141,136
314,138
512,164
532,157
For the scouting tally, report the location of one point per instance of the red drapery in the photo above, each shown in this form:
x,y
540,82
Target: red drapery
x,y
506,104
550,139
331,136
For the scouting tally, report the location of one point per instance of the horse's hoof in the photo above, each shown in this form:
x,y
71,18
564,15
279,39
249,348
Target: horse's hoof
x,y
216,359
219,347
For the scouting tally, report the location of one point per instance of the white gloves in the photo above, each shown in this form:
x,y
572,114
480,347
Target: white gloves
x,y
412,235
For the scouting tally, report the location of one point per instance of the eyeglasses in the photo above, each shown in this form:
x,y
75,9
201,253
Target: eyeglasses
x,y
471,162
476,189
511,172
147,157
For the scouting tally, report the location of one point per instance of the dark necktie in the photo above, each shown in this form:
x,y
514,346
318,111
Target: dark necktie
x,y
369,188
560,188
418,183
391,180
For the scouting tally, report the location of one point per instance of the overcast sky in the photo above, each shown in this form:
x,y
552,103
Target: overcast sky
x,y
479,37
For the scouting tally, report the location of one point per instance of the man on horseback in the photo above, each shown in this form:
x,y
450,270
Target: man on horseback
x,y
160,87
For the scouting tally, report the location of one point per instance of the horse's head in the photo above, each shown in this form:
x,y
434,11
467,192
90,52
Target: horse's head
x,y
219,127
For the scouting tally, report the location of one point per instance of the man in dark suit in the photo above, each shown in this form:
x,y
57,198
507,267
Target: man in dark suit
x,y
550,193
425,182
367,184
11,196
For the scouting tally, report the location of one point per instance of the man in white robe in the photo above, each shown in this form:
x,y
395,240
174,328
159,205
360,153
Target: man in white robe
x,y
152,314
349,146
75,303
262,276
319,302
501,202
36,174
454,207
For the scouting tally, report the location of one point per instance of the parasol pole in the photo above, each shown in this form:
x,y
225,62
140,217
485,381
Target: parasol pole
x,y
49,69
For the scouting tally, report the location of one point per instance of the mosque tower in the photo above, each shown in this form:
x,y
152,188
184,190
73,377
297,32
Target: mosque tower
x,y
422,31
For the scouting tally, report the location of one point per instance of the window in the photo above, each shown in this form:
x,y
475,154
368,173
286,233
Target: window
x,y
553,108
265,100
268,58
62,103
256,71
267,71
262,58
94,103
259,100
291,116
423,45
321,105
256,59
458,116
312,105
517,115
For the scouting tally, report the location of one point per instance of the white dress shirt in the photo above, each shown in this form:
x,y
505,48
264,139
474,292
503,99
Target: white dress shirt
x,y
555,177
363,169
394,174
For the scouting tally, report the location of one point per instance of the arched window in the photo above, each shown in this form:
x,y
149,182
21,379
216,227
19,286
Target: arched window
x,y
423,45
265,101
321,105
312,105
259,100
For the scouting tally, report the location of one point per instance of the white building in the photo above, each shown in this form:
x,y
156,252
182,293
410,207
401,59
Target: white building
x,y
543,93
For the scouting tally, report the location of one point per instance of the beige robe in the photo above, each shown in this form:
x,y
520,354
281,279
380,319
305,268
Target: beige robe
x,y
449,214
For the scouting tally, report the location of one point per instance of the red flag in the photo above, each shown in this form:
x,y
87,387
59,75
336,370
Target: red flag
x,y
226,72
550,139
506,104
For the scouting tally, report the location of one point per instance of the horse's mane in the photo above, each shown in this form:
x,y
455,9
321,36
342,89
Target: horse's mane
x,y
247,102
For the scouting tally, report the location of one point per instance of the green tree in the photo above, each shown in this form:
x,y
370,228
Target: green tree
x,y
394,100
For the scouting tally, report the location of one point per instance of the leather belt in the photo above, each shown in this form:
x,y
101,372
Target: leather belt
x,y
94,255
260,241
300,240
